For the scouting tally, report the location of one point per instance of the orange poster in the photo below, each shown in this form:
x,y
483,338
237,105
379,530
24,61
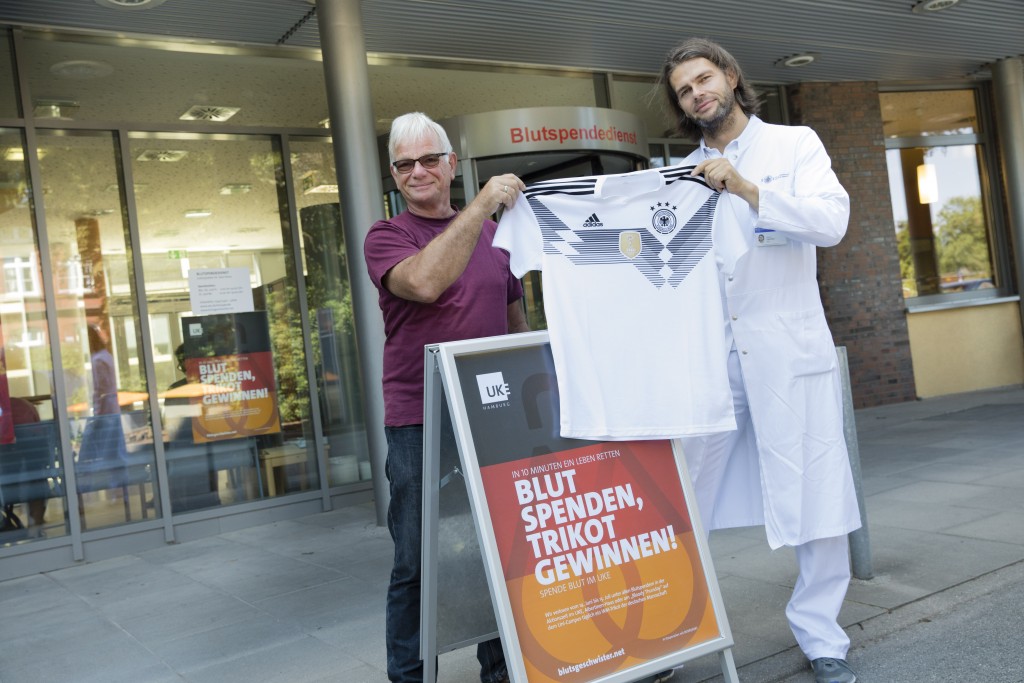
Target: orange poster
x,y
238,396
599,558
229,365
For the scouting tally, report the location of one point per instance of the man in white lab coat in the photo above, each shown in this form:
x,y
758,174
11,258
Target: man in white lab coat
x,y
786,465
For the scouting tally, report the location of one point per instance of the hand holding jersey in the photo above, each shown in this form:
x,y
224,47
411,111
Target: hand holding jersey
x,y
722,176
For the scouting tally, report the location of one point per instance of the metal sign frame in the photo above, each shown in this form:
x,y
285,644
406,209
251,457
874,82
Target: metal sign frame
x,y
443,362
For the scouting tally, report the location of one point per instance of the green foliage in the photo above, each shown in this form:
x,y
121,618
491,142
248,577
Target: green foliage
x,y
961,244
289,356
960,239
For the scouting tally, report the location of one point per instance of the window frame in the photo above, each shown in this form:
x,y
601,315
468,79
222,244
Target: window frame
x,y
993,205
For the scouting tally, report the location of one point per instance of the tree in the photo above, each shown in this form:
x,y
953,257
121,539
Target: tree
x,y
961,240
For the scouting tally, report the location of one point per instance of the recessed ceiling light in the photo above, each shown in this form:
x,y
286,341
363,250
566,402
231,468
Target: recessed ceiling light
x,y
54,109
312,184
130,4
925,6
81,69
208,112
167,155
198,213
321,189
236,188
796,61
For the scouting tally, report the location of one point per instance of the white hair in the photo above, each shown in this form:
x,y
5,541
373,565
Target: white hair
x,y
411,127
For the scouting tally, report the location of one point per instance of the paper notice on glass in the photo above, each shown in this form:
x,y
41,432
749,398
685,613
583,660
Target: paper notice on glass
x,y
219,290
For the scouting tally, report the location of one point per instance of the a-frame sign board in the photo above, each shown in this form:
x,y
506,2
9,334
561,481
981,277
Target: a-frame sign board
x,y
596,567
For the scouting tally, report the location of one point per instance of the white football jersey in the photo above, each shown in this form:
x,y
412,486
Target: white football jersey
x,y
632,300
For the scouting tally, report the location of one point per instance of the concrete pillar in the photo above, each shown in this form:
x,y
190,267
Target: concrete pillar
x,y
362,202
1008,84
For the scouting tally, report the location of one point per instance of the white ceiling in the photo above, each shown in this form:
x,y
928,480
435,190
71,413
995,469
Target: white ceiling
x,y
870,40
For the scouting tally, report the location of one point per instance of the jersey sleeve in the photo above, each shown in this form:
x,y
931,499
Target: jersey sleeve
x,y
519,235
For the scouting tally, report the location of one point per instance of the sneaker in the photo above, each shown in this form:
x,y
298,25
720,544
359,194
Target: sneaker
x,y
664,676
828,670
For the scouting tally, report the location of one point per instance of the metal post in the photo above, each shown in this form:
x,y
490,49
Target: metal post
x,y
860,544
362,203
1008,86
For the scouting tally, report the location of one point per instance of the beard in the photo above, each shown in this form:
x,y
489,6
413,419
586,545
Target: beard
x,y
712,126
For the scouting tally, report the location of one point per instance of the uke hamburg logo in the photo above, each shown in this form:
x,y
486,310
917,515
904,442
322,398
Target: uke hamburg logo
x,y
493,390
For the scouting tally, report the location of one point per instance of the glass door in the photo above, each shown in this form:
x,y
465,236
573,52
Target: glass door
x,y
223,304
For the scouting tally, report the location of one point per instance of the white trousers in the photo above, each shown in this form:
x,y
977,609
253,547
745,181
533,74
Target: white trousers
x,y
823,564
813,609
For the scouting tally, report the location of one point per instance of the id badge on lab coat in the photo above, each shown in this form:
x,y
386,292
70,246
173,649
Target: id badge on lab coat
x,y
763,237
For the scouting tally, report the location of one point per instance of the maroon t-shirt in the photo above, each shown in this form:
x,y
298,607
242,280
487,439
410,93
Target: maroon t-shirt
x,y
475,305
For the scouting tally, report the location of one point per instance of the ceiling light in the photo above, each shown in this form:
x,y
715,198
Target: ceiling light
x,y
81,69
54,109
18,154
130,4
198,213
796,61
321,189
168,155
311,184
236,188
927,184
926,6
208,112
96,213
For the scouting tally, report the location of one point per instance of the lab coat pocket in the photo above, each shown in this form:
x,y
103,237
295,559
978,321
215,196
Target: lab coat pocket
x,y
810,347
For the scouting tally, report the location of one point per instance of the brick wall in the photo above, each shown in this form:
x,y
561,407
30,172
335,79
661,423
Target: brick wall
x,y
860,278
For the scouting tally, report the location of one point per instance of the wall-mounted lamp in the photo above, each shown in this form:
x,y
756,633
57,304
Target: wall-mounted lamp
x,y
927,184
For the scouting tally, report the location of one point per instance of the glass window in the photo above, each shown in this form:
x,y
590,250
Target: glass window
x,y
444,93
221,292
941,219
646,100
108,403
90,81
8,94
31,478
330,311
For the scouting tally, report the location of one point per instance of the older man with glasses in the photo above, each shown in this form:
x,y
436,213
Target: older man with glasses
x,y
439,280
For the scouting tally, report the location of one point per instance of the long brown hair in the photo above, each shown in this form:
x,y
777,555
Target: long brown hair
x,y
695,48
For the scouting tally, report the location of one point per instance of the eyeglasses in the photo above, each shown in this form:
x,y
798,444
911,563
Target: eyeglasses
x,y
426,161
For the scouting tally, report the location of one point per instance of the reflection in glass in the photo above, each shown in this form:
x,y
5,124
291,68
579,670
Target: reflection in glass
x,y
211,207
466,91
918,113
941,229
8,95
108,82
32,502
330,307
107,401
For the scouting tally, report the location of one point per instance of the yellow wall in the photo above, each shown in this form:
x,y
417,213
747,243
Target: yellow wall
x,y
966,349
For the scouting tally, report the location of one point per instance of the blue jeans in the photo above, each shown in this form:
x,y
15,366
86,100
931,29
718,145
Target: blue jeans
x,y
404,470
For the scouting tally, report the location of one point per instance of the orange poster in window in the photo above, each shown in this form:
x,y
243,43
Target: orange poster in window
x,y
230,371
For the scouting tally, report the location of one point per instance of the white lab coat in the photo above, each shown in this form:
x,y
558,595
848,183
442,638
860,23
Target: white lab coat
x,y
786,352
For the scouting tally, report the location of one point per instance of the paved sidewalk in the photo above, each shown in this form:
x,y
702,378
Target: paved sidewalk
x,y
303,600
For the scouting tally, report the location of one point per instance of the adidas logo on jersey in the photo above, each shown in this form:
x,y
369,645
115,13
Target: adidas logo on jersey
x,y
593,222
